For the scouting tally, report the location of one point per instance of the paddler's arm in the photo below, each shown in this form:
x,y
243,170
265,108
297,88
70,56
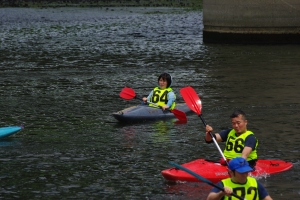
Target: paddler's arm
x,y
171,100
250,144
267,198
145,99
246,151
220,194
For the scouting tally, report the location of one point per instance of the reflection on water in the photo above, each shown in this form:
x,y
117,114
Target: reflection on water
x,y
61,74
159,133
190,190
9,142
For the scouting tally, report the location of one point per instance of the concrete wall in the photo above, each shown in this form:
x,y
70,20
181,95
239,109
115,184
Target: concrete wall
x,y
251,21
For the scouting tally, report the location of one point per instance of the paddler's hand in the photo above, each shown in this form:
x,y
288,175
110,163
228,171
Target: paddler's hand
x,y
165,107
208,128
144,99
227,191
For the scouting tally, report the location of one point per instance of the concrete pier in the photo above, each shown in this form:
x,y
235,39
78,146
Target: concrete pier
x,y
251,21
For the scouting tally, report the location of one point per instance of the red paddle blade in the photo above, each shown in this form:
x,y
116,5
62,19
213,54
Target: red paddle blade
x,y
179,114
191,99
127,93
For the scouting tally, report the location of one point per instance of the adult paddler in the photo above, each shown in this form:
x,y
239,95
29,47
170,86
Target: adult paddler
x,y
240,142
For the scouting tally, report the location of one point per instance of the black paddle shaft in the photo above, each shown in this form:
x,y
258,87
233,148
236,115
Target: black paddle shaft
x,y
202,119
203,179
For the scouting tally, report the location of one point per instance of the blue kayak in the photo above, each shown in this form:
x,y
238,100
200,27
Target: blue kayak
x,y
142,113
7,131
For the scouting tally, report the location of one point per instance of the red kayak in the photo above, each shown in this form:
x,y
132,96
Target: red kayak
x,y
215,172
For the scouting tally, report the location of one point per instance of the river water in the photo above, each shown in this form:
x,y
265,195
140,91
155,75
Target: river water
x,y
61,74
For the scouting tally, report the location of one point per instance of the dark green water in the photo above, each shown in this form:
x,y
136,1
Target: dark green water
x,y
61,74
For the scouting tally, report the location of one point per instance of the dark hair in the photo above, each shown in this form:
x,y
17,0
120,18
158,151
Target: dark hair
x,y
238,112
166,77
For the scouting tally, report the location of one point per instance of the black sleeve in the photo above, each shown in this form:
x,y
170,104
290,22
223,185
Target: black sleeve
x,y
224,134
250,141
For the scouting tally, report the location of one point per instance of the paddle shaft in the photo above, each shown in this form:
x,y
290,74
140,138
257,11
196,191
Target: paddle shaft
x,y
128,93
148,102
202,179
193,101
214,140
139,98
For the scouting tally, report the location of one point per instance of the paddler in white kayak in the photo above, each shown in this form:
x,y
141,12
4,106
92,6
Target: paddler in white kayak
x,y
240,142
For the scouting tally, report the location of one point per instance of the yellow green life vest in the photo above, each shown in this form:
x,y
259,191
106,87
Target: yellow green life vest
x,y
160,97
248,191
235,146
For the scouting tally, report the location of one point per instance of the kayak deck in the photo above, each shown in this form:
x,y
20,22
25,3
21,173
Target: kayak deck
x,y
215,172
142,113
7,131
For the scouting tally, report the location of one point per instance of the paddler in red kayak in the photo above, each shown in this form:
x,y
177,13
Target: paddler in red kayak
x,y
240,142
163,94
240,183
